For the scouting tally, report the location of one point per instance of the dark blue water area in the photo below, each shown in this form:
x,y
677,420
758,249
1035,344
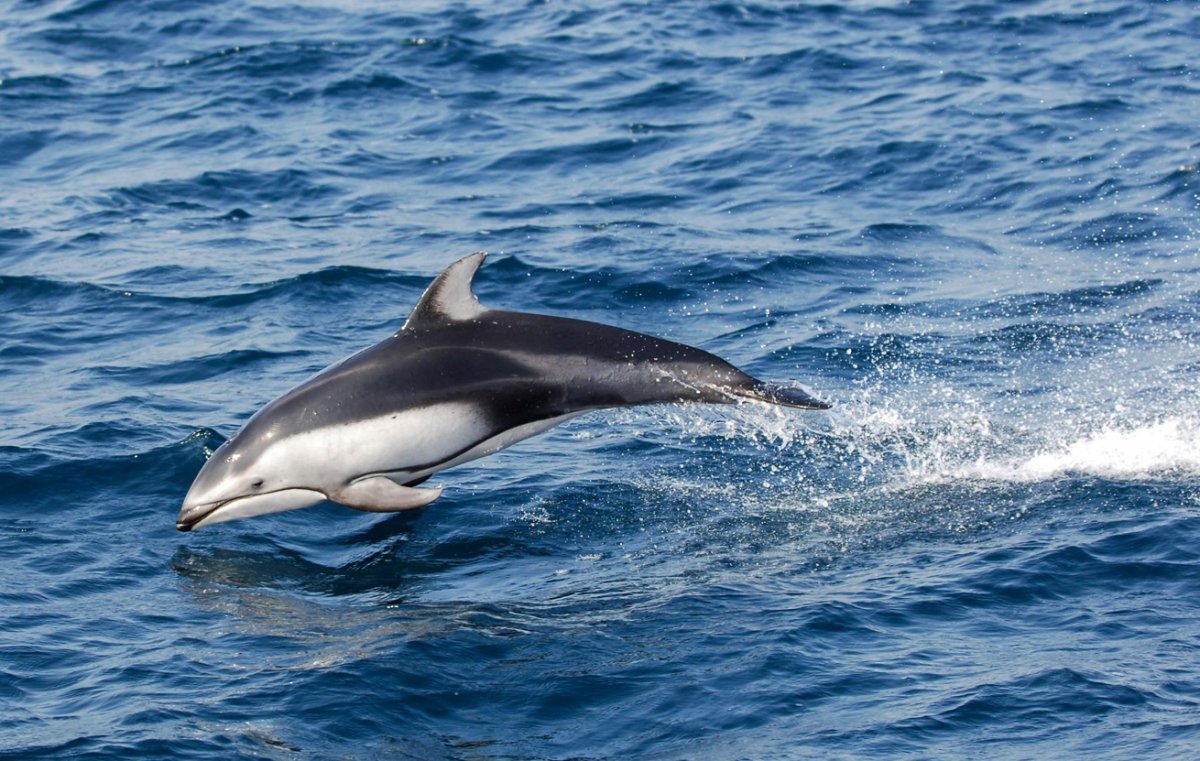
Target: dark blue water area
x,y
972,226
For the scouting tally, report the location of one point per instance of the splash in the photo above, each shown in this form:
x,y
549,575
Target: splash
x,y
1167,447
968,441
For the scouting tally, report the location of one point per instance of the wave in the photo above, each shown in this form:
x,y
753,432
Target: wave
x,y
194,369
1167,448
216,190
971,445
125,463
23,293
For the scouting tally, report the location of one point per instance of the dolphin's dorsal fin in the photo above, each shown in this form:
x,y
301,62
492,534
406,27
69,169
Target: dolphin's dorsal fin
x,y
449,298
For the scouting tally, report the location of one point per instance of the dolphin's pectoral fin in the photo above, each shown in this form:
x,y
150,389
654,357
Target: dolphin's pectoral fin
x,y
380,494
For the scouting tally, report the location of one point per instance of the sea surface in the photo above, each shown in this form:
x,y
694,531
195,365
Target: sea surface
x,y
972,226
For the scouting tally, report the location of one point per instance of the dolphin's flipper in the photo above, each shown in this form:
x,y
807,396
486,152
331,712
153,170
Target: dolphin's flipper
x,y
380,494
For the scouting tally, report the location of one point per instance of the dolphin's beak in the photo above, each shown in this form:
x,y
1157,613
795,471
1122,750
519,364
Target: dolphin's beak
x,y
197,515
196,508
190,516
184,525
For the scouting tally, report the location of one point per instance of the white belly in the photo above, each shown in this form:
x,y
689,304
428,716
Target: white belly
x,y
409,444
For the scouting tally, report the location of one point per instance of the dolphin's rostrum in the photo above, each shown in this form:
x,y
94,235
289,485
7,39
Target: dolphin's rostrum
x,y
459,381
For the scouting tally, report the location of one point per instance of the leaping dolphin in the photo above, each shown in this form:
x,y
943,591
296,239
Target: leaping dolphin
x,y
459,381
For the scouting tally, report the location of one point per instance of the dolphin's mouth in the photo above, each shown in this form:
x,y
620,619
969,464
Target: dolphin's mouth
x,y
192,517
189,518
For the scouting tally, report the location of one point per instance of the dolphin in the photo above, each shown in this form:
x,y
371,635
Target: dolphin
x,y
457,382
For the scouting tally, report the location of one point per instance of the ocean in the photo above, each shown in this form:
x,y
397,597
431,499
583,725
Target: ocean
x,y
971,226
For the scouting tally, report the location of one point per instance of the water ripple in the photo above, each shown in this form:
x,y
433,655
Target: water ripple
x,y
970,225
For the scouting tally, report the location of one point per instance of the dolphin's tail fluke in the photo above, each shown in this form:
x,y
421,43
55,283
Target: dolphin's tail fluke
x,y
788,396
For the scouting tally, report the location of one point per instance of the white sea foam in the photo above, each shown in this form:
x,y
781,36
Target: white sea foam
x,y
953,445
1170,446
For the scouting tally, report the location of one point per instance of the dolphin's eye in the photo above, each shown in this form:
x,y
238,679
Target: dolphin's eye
x,y
256,483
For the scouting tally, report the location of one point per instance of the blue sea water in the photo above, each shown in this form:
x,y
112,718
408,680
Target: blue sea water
x,y
972,225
